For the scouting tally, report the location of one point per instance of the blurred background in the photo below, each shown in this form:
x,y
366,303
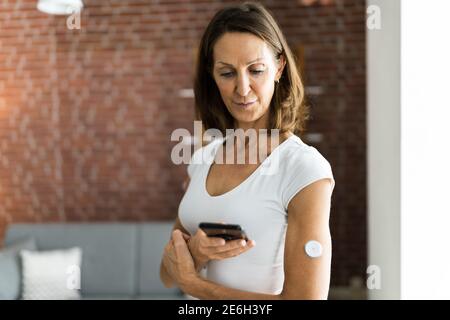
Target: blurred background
x,y
86,114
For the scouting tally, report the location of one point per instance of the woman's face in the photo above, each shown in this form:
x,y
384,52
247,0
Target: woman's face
x,y
245,71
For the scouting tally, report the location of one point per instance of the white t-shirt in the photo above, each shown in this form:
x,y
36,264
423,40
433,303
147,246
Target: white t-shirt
x,y
259,204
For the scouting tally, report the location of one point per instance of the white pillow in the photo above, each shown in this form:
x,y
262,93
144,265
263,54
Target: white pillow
x,y
51,275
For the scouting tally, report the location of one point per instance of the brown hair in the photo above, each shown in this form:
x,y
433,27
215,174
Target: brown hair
x,y
288,111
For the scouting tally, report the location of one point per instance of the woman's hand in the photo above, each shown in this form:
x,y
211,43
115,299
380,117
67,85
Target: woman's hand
x,y
204,248
178,261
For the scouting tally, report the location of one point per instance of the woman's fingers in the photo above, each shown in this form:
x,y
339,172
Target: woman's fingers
x,y
235,251
231,245
186,236
231,248
218,248
214,242
209,241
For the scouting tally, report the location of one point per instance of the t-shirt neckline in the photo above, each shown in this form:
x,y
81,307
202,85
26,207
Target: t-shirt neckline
x,y
246,180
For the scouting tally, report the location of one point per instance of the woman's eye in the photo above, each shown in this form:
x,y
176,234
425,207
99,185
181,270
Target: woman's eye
x,y
230,74
226,74
257,71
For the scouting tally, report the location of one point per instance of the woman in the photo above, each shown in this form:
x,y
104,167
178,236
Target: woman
x,y
246,79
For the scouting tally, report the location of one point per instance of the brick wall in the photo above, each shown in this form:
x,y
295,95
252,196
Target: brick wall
x,y
86,115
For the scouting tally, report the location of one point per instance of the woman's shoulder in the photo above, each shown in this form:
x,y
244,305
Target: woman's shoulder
x,y
299,154
301,165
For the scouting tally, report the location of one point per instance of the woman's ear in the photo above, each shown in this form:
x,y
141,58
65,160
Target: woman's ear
x,y
281,65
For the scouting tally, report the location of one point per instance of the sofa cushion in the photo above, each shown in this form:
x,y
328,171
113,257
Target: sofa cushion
x,y
10,268
162,296
109,251
51,275
107,297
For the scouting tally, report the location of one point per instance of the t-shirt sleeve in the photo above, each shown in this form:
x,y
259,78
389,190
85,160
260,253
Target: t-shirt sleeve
x,y
303,170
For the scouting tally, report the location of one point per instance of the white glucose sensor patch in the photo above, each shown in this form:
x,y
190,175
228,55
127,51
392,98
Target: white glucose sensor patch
x,y
313,249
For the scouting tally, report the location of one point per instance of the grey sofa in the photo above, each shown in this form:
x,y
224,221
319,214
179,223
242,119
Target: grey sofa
x,y
119,260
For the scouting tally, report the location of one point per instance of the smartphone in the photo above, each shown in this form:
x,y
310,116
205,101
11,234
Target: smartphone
x,y
224,231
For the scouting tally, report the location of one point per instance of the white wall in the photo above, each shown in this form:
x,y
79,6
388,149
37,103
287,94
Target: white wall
x,y
409,149
383,125
425,228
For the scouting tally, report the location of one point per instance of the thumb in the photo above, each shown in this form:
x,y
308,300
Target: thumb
x,y
201,232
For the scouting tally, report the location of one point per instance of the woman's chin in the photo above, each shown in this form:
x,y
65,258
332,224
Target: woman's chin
x,y
241,119
244,113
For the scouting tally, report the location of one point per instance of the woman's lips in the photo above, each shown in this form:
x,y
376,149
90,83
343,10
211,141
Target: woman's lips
x,y
244,105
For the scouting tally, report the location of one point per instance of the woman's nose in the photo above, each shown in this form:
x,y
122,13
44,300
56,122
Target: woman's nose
x,y
243,85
